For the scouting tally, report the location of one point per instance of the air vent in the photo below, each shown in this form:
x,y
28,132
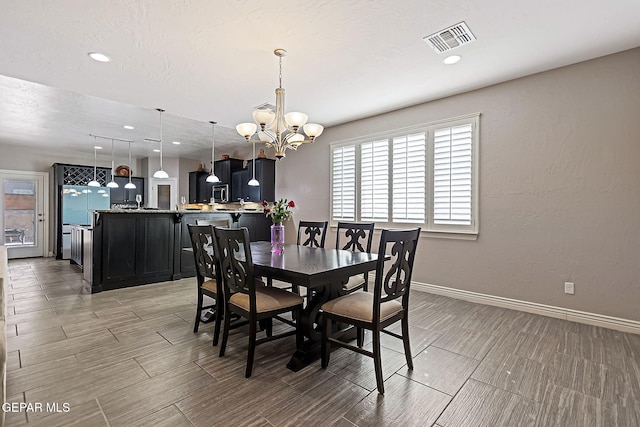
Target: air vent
x,y
450,38
265,106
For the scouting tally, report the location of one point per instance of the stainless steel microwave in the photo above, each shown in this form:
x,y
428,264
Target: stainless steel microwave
x,y
220,193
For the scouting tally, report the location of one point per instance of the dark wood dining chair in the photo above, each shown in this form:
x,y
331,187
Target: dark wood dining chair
x,y
250,301
207,272
355,237
312,233
375,311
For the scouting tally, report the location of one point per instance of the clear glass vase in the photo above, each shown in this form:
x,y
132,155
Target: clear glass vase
x,y
277,238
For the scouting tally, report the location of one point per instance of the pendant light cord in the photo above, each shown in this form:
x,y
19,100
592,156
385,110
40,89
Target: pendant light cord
x,y
113,164
254,161
160,138
130,172
213,141
95,157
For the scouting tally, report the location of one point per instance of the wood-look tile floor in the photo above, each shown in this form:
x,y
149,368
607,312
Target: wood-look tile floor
x,y
129,358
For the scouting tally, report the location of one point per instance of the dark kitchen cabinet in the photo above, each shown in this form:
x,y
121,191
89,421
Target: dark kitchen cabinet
x,y
266,176
199,188
226,168
133,249
200,191
123,195
239,187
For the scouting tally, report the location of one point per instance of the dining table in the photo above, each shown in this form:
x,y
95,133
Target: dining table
x,y
322,271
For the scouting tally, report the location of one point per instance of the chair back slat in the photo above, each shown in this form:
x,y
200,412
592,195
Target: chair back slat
x,y
312,233
393,276
203,251
236,264
357,235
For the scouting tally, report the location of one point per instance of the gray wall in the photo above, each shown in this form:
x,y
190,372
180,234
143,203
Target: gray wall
x,y
559,187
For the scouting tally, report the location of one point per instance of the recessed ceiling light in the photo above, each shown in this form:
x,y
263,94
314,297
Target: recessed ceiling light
x,y
128,127
97,148
100,57
155,150
452,59
176,142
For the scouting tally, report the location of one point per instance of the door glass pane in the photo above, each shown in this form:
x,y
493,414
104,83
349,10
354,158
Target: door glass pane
x,y
19,213
164,197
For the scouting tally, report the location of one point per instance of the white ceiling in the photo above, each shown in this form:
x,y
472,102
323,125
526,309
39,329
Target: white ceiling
x,y
213,60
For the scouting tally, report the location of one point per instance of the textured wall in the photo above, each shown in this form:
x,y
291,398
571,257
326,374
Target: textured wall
x,y
559,187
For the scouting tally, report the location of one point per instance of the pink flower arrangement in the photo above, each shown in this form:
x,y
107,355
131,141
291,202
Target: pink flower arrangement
x,y
280,210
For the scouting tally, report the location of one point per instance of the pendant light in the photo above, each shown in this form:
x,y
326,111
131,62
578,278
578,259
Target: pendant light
x,y
212,176
112,183
94,182
253,182
130,185
160,173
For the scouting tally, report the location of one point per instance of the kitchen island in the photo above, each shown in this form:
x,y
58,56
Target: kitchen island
x,y
137,247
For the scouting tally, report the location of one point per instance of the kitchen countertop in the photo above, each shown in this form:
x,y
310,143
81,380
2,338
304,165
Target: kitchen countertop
x,y
185,211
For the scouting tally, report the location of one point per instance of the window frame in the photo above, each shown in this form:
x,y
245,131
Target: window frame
x,y
428,226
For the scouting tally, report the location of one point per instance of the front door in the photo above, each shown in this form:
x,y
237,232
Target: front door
x,y
23,213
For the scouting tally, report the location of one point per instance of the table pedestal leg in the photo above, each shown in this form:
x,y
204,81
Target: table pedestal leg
x,y
310,324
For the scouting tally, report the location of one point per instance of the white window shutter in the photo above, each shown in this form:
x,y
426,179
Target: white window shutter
x,y
374,180
452,175
409,183
343,183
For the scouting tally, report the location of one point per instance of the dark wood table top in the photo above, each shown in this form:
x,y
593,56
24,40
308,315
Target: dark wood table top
x,y
309,267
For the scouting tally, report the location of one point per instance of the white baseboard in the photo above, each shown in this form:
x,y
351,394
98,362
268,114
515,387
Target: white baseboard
x,y
617,323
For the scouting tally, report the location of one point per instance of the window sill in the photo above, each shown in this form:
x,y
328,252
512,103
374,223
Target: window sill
x,y
434,234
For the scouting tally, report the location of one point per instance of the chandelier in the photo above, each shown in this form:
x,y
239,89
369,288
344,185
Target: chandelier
x,y
277,129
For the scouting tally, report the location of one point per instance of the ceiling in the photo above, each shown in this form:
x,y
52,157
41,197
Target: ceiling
x,y
213,60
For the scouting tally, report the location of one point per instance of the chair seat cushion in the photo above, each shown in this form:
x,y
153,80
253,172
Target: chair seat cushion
x,y
354,282
359,306
267,299
210,285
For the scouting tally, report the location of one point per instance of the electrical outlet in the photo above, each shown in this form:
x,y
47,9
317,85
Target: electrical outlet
x,y
568,288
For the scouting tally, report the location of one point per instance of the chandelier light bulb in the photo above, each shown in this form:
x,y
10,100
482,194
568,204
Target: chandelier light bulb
x,y
295,119
313,130
264,117
246,129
